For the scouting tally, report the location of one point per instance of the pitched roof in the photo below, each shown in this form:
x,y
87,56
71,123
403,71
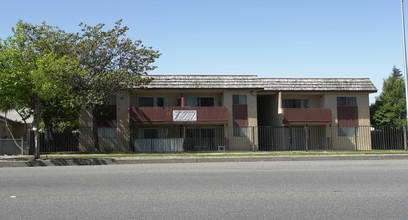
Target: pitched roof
x,y
321,85
13,116
3,119
266,84
204,82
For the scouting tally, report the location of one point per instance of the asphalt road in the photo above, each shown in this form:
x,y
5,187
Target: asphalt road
x,y
370,189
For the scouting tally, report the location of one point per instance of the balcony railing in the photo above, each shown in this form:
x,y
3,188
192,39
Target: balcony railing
x,y
165,115
307,116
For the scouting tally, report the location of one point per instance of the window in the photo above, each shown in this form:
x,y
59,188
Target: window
x,y
239,99
152,101
151,133
199,101
346,101
200,132
106,132
146,101
347,131
206,101
240,131
295,103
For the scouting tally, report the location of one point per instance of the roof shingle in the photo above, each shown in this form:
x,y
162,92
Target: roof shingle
x,y
266,84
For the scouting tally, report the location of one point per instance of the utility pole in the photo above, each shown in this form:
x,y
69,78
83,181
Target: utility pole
x,y
405,55
405,69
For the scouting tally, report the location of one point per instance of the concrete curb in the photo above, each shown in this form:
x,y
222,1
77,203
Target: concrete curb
x,y
20,162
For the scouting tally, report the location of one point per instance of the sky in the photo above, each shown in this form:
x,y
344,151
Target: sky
x,y
271,38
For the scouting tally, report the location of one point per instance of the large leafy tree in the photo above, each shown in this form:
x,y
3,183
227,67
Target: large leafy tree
x,y
389,108
37,70
41,65
113,62
58,71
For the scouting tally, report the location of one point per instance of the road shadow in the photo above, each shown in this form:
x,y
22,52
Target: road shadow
x,y
71,162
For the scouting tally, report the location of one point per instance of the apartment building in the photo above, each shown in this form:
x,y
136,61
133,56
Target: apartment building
x,y
234,112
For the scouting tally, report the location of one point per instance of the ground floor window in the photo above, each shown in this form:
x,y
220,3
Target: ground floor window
x,y
153,133
347,131
240,131
107,132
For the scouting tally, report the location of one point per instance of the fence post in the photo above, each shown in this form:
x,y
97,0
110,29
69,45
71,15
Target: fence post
x,y
22,145
355,138
404,129
253,138
307,138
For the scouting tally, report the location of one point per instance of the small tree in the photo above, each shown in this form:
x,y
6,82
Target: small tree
x,y
389,108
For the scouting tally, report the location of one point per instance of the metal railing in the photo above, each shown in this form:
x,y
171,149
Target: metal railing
x,y
177,138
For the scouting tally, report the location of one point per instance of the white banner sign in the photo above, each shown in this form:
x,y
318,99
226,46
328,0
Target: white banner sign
x,y
184,115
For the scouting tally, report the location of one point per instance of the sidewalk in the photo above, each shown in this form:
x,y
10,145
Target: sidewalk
x,y
75,160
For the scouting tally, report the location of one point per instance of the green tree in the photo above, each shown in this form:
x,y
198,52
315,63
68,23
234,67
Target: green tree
x,y
113,62
41,65
389,108
35,73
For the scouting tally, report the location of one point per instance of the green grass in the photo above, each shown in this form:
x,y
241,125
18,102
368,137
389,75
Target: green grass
x,y
219,154
213,154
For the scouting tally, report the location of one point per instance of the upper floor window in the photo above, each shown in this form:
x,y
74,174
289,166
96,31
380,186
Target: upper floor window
x,y
152,101
295,103
239,99
199,101
346,101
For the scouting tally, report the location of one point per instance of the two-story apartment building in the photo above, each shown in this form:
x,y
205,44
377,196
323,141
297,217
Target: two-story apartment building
x,y
233,112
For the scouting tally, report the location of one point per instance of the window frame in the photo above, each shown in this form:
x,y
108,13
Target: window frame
x,y
297,103
239,99
240,131
107,132
155,100
348,101
196,101
348,131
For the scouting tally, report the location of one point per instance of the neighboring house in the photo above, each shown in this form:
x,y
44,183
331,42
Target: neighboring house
x,y
18,128
234,112
18,131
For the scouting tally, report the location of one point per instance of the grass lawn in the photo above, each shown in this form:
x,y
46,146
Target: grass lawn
x,y
217,154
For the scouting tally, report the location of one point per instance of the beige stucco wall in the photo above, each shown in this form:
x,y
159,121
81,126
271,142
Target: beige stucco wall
x,y
86,141
122,120
363,140
249,142
330,101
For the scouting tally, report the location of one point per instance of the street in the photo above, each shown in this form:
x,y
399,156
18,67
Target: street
x,y
339,189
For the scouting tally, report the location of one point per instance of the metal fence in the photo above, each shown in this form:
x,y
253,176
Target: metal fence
x,y
180,138
9,147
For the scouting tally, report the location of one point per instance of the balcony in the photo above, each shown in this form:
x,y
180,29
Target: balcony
x,y
165,115
307,116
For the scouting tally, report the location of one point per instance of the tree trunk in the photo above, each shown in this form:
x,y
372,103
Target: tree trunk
x,y
37,130
48,136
